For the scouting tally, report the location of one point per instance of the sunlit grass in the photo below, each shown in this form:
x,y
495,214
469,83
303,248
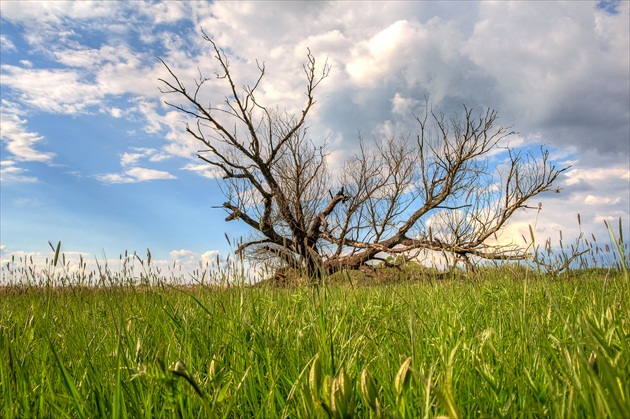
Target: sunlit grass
x,y
506,342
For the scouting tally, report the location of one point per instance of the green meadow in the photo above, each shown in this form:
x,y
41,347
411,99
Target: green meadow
x,y
504,342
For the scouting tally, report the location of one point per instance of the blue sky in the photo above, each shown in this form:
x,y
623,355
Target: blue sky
x,y
92,157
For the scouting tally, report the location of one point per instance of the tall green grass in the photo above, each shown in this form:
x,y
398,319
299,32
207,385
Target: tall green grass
x,y
484,346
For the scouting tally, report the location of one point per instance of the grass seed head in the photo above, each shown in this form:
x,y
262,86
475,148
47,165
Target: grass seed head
x,y
315,377
368,390
401,381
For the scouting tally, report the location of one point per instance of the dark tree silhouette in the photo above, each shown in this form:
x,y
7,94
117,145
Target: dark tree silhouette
x,y
275,180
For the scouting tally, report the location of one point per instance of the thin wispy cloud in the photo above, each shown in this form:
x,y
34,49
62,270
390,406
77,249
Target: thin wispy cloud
x,y
19,141
6,44
135,175
10,173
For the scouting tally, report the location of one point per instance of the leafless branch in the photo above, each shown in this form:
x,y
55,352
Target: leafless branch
x,y
435,192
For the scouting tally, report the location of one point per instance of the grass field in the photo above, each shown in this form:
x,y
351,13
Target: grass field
x,y
504,343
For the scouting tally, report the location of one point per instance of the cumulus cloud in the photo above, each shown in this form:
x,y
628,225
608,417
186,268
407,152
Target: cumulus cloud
x,y
550,72
519,57
601,200
192,260
413,55
182,254
404,106
135,175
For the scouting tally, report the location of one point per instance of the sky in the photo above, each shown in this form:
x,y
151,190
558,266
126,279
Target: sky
x,y
92,156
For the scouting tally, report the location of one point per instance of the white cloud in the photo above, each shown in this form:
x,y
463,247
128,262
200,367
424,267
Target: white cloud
x,y
56,91
182,254
128,72
404,106
191,260
115,178
210,257
135,175
92,77
180,143
165,12
130,159
204,169
551,71
142,174
10,173
578,174
88,58
601,200
374,60
56,11
153,155
596,194
6,44
18,140
149,110
413,56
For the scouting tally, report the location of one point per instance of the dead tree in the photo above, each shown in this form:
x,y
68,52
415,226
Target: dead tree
x,y
275,180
